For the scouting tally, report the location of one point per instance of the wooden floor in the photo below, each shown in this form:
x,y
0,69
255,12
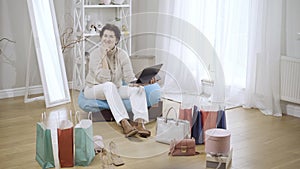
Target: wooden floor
x,y
258,141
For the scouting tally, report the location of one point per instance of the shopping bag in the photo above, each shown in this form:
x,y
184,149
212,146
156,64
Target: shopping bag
x,y
209,120
167,104
186,114
221,121
84,143
197,132
170,129
65,142
44,151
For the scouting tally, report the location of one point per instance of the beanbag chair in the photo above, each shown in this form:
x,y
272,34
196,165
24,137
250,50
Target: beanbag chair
x,y
96,105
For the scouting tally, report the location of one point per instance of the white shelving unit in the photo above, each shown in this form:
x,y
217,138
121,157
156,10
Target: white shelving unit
x,y
91,12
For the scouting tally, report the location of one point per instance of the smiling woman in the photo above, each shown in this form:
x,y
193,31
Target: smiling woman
x,y
48,51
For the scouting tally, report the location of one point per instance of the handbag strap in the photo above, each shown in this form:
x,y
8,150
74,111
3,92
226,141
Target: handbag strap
x,y
172,146
171,108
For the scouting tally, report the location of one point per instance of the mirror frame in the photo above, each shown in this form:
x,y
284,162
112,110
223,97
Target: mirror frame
x,y
49,52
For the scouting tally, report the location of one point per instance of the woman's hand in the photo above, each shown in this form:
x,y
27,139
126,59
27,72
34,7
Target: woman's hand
x,y
104,62
104,49
153,80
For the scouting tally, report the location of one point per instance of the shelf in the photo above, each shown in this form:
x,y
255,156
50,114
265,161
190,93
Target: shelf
x,y
97,12
91,34
97,34
107,6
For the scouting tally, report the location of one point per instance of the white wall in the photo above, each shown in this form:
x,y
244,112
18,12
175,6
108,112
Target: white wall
x,y
293,28
140,23
15,25
290,45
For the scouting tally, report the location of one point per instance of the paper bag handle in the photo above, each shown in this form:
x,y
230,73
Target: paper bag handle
x,y
90,116
77,116
44,117
58,118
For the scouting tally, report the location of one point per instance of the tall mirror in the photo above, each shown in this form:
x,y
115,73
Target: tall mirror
x,y
48,51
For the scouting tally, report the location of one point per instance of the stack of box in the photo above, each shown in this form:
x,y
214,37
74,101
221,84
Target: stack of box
x,y
217,148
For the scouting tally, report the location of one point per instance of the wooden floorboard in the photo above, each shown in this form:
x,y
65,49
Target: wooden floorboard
x,y
258,141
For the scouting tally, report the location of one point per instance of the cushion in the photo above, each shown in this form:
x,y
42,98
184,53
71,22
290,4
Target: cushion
x,y
96,105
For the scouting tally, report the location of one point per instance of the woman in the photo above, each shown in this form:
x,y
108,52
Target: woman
x,y
109,66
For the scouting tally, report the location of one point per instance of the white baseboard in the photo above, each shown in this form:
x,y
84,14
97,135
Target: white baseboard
x,y
290,109
293,110
15,92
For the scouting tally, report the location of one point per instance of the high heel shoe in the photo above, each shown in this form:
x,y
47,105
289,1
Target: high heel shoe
x,y
113,154
106,164
128,129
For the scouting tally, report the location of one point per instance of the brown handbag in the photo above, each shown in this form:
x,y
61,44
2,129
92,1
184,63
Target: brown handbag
x,y
185,147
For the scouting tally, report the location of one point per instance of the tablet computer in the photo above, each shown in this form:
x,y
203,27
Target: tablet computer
x,y
147,74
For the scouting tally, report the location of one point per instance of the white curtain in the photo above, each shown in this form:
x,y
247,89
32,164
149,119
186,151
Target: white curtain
x,y
263,65
246,38
189,54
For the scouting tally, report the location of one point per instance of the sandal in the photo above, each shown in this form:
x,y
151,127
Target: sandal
x,y
115,158
106,164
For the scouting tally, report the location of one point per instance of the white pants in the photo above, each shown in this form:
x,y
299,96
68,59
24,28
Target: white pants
x,y
108,91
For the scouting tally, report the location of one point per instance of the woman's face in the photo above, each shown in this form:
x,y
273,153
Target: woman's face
x,y
109,39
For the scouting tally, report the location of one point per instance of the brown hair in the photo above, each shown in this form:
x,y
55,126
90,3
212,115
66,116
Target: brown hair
x,y
113,28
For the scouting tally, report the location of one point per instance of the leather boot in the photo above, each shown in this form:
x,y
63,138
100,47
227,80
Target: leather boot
x,y
142,131
128,129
